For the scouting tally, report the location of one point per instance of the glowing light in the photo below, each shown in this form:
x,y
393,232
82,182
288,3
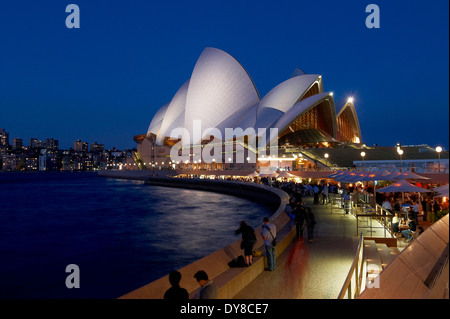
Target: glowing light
x,y
350,99
438,149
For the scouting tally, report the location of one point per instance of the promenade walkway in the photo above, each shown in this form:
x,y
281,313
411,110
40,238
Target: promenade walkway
x,y
314,270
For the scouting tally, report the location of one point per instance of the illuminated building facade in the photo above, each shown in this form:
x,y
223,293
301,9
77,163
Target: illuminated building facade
x,y
220,95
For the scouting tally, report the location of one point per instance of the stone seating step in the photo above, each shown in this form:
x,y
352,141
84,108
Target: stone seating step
x,y
387,254
373,259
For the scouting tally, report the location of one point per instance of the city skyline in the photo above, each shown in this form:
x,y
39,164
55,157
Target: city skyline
x,y
37,142
106,80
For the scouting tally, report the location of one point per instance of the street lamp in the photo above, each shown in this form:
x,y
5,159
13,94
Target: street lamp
x,y
439,150
326,158
400,152
363,154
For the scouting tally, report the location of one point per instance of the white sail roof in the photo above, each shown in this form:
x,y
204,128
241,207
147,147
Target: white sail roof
x,y
304,106
175,108
155,124
289,92
219,87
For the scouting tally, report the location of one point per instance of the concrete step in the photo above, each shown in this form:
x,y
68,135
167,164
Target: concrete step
x,y
373,259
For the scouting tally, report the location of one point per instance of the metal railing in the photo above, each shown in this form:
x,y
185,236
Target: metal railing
x,y
356,276
368,213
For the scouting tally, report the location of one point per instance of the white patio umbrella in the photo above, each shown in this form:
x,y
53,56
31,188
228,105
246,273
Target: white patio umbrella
x,y
254,174
285,174
269,175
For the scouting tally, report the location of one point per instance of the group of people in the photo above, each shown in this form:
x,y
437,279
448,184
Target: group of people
x,y
268,234
208,289
406,226
302,216
413,206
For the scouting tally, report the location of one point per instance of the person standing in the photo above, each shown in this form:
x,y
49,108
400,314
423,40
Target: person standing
x,y
310,222
387,205
325,194
176,292
436,207
347,204
248,241
269,232
299,215
316,191
416,212
208,288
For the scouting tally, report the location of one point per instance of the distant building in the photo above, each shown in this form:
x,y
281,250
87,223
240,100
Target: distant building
x,y
35,143
4,141
51,144
66,163
95,147
79,146
49,161
17,144
4,137
31,164
9,163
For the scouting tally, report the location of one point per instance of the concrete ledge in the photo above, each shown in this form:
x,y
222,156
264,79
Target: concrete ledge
x,y
229,280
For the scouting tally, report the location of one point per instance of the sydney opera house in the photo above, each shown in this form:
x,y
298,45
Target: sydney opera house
x,y
221,95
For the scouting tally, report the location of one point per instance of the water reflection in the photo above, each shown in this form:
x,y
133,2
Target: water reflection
x,y
123,234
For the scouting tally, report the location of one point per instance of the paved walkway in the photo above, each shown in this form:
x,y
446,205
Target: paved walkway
x,y
311,270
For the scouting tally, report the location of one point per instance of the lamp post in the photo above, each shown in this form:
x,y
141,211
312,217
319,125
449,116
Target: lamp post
x,y
400,152
439,150
326,158
363,154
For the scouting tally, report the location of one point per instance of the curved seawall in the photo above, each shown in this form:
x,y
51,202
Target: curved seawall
x,y
229,280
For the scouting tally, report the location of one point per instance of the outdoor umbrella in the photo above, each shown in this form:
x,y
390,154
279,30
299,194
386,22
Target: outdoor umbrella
x,y
378,176
409,175
345,176
269,175
285,174
392,175
442,191
338,173
254,174
403,186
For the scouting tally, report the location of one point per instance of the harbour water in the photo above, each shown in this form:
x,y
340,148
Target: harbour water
x,y
121,234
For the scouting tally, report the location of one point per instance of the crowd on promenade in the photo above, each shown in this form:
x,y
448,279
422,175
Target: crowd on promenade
x,y
404,207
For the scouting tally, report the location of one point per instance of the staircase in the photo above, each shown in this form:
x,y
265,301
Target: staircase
x,y
378,256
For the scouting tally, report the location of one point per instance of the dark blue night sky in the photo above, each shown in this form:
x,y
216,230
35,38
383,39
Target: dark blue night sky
x,y
104,81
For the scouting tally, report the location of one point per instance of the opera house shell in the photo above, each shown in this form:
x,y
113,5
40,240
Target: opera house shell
x,y
221,94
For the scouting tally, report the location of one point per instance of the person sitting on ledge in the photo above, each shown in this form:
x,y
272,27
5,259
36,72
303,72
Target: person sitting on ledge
x,y
412,228
176,292
395,223
208,288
